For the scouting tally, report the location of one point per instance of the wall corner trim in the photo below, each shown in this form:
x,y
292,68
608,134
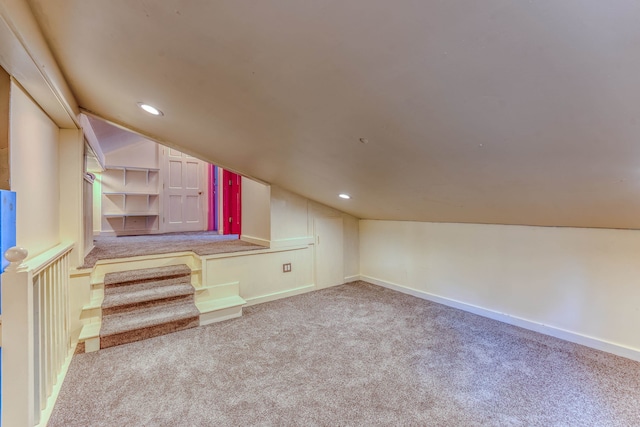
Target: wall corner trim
x,y
255,240
595,343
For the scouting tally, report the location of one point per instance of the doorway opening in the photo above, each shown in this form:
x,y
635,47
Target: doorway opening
x,y
142,187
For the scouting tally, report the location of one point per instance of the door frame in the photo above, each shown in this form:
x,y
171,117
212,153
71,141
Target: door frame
x,y
213,213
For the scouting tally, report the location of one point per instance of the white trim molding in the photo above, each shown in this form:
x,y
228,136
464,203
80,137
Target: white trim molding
x,y
279,295
298,241
255,240
588,341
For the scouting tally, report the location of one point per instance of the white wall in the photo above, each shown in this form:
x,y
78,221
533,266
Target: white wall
x,y
291,232
260,275
350,233
142,154
581,284
289,218
34,174
256,212
71,170
292,222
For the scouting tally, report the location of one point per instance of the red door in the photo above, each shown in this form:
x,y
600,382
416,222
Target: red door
x,y
231,202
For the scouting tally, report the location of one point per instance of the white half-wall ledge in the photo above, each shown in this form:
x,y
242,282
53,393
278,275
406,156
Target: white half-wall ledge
x,y
592,342
255,240
298,241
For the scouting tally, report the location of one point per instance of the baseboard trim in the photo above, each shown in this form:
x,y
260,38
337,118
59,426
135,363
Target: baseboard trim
x,y
88,249
596,343
279,295
354,278
255,240
220,315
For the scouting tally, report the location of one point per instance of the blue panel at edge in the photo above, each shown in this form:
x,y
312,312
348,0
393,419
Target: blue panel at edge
x,y
7,240
7,227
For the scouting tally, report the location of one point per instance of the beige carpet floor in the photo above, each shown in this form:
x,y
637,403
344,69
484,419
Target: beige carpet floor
x,y
202,243
351,355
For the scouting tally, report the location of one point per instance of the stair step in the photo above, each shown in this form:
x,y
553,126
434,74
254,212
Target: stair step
x,y
130,277
90,330
152,316
218,291
95,302
89,339
113,290
148,322
143,296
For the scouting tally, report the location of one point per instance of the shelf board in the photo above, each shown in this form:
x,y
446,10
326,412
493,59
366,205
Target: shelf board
x,y
125,214
128,193
129,168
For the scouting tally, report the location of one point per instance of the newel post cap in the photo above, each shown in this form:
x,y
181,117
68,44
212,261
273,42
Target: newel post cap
x,y
16,255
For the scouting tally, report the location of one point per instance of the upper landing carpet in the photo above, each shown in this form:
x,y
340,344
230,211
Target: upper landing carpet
x,y
201,243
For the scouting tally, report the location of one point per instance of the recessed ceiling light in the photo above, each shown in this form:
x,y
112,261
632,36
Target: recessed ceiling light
x,y
344,196
150,109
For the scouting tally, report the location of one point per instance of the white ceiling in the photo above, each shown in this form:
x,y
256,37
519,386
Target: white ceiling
x,y
490,111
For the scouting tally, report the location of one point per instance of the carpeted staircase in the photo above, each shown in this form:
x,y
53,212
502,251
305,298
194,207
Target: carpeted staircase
x,y
146,303
128,304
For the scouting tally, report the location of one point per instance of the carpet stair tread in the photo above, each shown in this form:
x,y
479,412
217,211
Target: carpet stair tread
x,y
146,274
148,317
148,284
144,292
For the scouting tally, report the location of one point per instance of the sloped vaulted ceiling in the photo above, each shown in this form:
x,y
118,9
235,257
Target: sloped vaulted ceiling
x,y
492,111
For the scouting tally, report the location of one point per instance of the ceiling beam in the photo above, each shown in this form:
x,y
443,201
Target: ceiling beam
x,y
25,55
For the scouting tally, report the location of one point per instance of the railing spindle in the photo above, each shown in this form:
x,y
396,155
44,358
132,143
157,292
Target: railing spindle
x,y
36,331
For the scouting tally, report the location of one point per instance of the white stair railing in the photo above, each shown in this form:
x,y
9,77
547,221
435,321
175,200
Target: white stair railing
x,y
36,331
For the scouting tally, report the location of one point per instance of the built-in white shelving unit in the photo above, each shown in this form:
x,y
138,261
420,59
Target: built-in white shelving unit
x,y
130,200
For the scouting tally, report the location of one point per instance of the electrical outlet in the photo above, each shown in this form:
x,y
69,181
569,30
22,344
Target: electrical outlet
x,y
286,268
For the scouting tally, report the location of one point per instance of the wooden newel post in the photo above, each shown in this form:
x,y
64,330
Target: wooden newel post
x,y
17,341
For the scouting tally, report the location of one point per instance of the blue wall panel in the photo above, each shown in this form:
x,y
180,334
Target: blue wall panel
x,y
7,227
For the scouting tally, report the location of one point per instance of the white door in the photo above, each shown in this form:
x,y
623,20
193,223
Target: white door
x,y
184,192
329,252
